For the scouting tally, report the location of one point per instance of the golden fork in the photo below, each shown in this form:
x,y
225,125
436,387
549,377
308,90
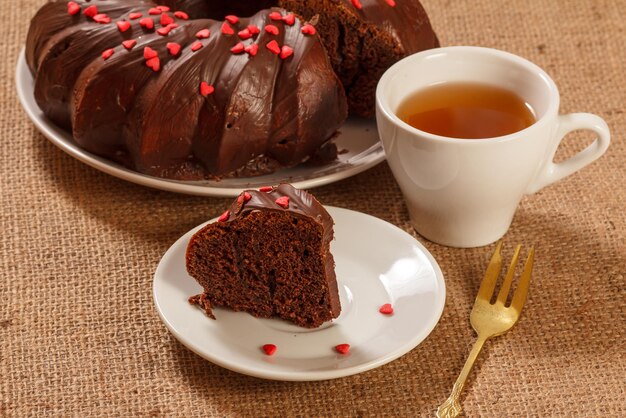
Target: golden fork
x,y
491,319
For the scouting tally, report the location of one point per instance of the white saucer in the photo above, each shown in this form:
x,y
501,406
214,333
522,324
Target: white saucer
x,y
357,136
377,263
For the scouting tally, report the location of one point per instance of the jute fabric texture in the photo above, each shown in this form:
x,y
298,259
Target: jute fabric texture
x,y
79,335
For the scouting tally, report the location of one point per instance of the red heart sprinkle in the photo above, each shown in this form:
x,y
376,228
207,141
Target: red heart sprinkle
x,y
91,11
163,8
392,3
147,23
129,44
290,19
276,16
342,348
106,54
154,11
308,29
271,29
181,15
134,15
273,46
227,29
269,349
266,189
286,52
205,90
149,53
244,197
252,49
244,34
232,19
238,49
102,18
357,4
73,8
283,201
123,25
224,216
254,29
173,47
154,63
386,309
203,34
166,19
172,25
196,46
164,31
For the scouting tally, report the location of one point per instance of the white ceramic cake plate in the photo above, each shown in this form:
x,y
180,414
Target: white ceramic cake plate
x,y
376,263
357,137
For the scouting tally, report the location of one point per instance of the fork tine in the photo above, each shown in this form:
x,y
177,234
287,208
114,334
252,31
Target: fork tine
x,y
491,275
519,298
508,279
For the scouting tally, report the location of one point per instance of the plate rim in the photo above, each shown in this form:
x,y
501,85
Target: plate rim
x,y
55,135
299,376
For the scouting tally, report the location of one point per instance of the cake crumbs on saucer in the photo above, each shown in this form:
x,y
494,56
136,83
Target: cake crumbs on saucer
x,y
204,303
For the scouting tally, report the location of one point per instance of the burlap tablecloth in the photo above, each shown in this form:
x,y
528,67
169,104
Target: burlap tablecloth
x,y
79,335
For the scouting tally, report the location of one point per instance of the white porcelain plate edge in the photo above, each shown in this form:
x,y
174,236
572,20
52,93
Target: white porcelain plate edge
x,y
411,280
358,137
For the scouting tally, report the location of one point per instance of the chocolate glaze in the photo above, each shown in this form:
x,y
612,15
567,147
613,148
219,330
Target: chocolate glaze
x,y
59,46
196,9
264,108
217,9
301,203
261,106
124,76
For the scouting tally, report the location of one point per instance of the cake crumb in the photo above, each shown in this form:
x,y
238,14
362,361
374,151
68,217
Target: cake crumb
x,y
204,303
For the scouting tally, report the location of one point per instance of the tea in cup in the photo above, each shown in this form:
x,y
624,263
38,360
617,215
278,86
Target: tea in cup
x,y
467,132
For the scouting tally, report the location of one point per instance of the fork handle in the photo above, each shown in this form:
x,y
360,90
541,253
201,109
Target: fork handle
x,y
451,407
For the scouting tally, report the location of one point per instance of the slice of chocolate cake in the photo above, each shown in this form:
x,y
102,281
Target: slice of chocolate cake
x,y
268,255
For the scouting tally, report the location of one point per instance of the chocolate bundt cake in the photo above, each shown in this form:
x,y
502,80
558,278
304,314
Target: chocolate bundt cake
x,y
268,255
163,87
185,98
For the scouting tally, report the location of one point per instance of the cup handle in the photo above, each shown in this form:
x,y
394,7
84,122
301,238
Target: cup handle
x,y
551,171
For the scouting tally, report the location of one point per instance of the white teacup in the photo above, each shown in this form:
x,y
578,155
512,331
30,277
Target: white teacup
x,y
463,193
